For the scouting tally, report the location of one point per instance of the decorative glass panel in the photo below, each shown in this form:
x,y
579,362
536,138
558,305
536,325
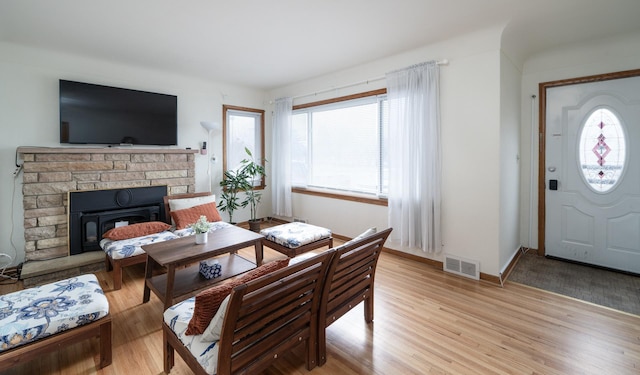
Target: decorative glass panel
x,y
602,150
91,231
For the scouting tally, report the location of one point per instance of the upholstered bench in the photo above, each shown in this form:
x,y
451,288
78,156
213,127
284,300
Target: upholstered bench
x,y
126,252
123,245
296,238
268,311
42,319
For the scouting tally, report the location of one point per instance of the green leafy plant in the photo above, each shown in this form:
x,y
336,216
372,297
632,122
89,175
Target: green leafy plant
x,y
241,180
200,226
233,183
252,170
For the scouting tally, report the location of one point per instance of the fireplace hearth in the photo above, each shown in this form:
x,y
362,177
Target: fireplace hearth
x,y
92,213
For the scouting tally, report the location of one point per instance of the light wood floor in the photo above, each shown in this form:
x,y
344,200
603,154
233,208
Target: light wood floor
x,y
426,322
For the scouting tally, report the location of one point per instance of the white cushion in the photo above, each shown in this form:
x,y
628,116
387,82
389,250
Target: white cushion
x,y
177,318
366,233
214,329
362,235
184,203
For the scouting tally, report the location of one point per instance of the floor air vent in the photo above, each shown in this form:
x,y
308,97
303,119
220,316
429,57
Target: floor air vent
x,y
462,267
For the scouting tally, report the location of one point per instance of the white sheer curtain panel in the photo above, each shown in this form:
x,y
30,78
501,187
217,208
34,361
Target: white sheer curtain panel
x,y
414,157
281,163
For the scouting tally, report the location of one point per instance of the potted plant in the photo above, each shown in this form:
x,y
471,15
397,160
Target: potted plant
x,y
232,183
201,227
252,170
241,180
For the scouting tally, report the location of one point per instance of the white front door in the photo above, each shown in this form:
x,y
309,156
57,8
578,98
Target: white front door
x,y
593,173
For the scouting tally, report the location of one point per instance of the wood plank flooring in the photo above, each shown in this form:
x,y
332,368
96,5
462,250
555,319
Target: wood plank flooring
x,y
426,322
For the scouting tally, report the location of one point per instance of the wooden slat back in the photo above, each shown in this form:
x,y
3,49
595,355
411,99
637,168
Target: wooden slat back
x,y
351,276
270,315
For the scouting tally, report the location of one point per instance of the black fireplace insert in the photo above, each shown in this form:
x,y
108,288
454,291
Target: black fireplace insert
x,y
92,213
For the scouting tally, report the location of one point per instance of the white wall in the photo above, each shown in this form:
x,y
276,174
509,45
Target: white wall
x,y
509,161
29,116
608,55
471,118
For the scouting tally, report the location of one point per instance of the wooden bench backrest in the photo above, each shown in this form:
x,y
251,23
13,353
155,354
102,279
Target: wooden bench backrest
x,y
167,198
349,281
351,276
270,315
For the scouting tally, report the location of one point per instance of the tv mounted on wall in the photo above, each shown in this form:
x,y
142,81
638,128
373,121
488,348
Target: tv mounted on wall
x,y
95,114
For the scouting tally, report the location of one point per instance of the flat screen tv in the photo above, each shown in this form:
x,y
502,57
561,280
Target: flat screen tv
x,y
95,114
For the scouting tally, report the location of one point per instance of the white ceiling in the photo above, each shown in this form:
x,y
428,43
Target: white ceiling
x,y
270,43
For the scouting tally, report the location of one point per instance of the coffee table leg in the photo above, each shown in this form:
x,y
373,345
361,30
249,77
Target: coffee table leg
x,y
259,252
149,272
171,276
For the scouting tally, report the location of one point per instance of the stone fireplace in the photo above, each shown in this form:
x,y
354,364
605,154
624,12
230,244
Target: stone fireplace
x,y
50,174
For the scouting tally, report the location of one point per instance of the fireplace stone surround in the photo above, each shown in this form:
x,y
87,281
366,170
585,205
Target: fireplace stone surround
x,y
50,174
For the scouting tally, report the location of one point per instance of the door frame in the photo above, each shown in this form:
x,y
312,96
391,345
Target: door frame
x,y
542,115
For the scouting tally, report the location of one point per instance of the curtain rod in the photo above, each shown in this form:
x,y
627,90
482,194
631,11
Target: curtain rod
x,y
365,82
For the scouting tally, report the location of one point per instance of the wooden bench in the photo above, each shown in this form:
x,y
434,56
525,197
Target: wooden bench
x,y
43,325
117,264
265,318
350,281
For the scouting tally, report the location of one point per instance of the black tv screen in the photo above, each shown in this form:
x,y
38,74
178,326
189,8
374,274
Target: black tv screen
x,y
95,114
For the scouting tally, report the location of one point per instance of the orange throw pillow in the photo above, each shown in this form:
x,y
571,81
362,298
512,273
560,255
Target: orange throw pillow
x,y
136,230
208,301
207,304
188,216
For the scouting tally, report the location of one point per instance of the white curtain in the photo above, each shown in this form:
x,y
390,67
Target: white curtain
x,y
414,157
281,163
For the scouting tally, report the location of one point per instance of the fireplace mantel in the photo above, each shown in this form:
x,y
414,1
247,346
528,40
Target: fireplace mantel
x,y
50,173
102,150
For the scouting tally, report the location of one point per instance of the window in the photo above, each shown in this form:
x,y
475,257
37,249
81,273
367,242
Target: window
x,y
242,128
340,145
602,150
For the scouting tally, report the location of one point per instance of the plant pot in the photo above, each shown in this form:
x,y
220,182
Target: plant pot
x,y
201,238
254,225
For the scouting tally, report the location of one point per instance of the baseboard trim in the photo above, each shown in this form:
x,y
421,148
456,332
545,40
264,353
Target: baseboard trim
x,y
402,254
510,266
438,264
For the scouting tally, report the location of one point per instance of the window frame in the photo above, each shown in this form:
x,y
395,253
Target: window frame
x,y
330,193
227,110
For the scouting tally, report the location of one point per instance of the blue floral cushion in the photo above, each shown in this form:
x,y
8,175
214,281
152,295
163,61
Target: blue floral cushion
x,y
177,318
133,246
31,314
293,235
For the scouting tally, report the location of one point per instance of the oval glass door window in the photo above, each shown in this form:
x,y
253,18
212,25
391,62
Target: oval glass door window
x,y
602,150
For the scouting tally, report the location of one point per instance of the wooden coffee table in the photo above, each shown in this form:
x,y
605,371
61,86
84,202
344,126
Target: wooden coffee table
x,y
181,259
